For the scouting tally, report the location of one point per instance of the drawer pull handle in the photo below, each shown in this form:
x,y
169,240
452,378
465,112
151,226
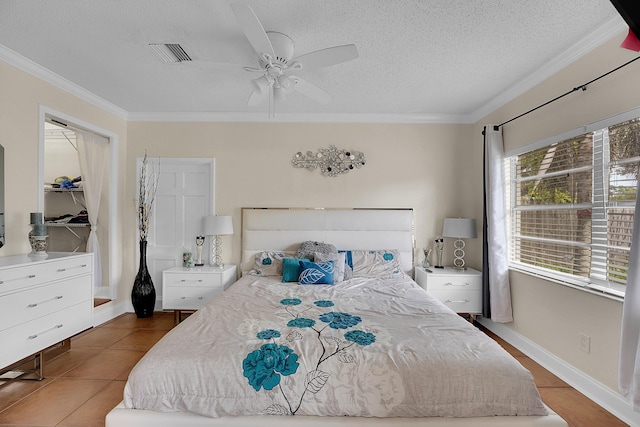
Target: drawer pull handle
x,y
30,276
457,284
458,301
62,270
33,337
185,280
191,297
35,304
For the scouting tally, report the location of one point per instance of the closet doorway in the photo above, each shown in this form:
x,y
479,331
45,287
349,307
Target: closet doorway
x,y
79,208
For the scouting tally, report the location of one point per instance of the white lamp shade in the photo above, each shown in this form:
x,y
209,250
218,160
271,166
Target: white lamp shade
x,y
217,225
461,228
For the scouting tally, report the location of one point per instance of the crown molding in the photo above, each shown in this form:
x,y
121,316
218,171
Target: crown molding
x,y
28,66
298,118
599,36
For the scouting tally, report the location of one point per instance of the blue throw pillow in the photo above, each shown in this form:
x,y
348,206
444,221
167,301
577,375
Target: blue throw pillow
x,y
291,269
316,273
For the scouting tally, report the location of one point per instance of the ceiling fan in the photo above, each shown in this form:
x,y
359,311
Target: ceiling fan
x,y
277,65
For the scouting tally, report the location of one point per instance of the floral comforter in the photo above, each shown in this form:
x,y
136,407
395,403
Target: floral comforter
x,y
364,347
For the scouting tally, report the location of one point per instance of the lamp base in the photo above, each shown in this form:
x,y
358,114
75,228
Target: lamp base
x,y
216,251
458,253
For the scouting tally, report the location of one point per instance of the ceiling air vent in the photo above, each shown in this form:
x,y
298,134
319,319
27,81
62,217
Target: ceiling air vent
x,y
169,52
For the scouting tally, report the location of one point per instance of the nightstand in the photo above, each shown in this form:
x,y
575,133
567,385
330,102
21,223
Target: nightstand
x,y
460,290
189,289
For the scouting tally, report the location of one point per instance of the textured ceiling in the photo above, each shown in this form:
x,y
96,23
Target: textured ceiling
x,y
422,60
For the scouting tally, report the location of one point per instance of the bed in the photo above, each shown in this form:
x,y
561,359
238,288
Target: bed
x,y
373,346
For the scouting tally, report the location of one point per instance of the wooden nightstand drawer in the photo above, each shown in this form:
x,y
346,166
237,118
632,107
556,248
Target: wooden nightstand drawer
x,y
192,288
460,290
188,297
446,282
192,279
460,301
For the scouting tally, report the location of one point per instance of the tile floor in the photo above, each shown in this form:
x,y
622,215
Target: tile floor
x,y
81,386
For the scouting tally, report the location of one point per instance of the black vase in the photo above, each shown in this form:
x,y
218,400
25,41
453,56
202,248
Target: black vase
x,y
143,294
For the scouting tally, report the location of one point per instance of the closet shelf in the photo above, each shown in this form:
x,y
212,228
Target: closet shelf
x,y
67,224
62,190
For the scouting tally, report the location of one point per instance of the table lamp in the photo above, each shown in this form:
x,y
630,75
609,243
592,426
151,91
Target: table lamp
x,y
459,228
217,226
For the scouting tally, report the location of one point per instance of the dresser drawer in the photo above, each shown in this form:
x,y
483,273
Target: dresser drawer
x,y
460,301
447,282
192,279
28,275
31,337
186,297
34,302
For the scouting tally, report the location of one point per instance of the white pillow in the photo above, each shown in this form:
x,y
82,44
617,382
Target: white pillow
x,y
269,263
380,263
338,264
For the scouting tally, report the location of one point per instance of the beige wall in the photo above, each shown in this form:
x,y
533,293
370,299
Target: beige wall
x,y
425,167
22,96
549,314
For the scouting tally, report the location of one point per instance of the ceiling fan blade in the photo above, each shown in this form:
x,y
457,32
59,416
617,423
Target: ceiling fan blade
x,y
312,91
329,56
252,29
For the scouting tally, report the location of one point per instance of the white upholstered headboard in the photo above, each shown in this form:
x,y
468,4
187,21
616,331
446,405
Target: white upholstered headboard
x,y
283,229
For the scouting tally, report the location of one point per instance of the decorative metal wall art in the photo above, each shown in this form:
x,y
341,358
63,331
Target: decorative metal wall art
x,y
331,161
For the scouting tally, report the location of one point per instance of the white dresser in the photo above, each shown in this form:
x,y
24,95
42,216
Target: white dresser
x,y
461,290
43,302
191,288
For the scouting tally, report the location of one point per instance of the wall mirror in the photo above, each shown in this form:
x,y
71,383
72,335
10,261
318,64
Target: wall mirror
x,y
2,237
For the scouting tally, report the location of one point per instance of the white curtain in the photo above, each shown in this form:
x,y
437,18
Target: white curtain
x,y
93,152
629,363
495,271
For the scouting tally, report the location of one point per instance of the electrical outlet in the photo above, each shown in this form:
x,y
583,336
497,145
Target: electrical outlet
x,y
585,342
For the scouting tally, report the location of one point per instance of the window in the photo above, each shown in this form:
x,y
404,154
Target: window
x,y
571,206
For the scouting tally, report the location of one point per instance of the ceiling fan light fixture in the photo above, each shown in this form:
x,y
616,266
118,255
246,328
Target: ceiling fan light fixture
x,y
286,84
261,85
169,52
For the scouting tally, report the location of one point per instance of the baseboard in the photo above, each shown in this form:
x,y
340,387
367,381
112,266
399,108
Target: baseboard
x,y
594,390
105,312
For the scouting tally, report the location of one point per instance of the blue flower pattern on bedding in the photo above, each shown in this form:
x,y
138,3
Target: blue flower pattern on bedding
x,y
265,366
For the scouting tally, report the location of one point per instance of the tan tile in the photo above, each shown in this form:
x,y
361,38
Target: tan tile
x,y
163,320
542,377
100,337
67,361
14,391
93,412
52,403
576,409
108,364
128,321
140,340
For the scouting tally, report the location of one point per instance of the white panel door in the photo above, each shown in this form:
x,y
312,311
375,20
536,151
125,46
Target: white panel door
x,y
184,197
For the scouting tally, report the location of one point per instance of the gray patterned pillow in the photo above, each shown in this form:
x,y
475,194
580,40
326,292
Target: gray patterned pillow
x,y
309,248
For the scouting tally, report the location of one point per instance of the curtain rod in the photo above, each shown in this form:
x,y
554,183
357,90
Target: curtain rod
x,y
575,89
